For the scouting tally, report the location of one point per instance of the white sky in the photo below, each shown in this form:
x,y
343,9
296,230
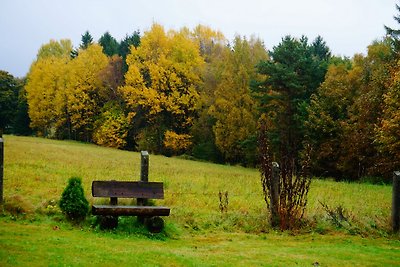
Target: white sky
x,y
348,26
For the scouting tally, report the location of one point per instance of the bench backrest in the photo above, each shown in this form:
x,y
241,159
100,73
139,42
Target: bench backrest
x,y
122,189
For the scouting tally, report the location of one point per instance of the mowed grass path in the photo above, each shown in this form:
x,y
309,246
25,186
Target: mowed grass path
x,y
37,170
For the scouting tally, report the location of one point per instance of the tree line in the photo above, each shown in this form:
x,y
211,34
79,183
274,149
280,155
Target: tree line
x,y
193,92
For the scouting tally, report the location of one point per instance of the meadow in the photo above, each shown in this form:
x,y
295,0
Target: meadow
x,y
197,233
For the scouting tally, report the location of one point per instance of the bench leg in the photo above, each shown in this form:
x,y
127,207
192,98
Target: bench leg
x,y
108,222
154,224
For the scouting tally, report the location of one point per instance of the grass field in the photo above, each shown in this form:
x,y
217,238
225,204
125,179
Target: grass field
x,y
33,232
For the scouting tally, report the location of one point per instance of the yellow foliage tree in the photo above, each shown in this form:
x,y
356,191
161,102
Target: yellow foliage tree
x,y
46,87
163,78
111,129
328,116
388,130
84,89
177,143
234,108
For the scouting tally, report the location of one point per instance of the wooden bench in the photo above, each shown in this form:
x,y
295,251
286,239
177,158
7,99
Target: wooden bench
x,y
141,190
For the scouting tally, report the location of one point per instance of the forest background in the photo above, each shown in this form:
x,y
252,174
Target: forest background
x,y
192,92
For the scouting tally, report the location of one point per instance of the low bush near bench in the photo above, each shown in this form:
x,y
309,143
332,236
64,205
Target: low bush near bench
x,y
73,202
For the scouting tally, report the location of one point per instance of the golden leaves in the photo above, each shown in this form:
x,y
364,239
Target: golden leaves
x,y
163,75
177,142
60,89
83,86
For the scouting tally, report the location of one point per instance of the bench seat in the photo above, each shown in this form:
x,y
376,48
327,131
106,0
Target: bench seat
x,y
116,210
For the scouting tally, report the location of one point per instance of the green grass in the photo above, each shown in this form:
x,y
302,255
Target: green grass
x,y
32,244
37,171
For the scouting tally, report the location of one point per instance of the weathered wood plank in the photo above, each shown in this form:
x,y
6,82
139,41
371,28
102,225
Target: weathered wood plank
x,y
126,189
130,210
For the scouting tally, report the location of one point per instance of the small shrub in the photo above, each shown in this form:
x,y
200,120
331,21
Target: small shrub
x,y
73,202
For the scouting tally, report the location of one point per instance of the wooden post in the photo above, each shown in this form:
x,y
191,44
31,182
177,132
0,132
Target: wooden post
x,y
396,202
144,166
144,175
1,168
274,201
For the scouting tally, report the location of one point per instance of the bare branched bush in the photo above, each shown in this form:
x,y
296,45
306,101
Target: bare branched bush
x,y
292,186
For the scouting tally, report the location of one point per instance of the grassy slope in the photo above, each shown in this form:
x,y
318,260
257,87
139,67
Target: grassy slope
x,y
37,170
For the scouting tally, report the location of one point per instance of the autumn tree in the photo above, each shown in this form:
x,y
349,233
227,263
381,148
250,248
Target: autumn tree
x,y
58,49
45,88
161,84
210,42
213,48
362,157
111,128
328,112
388,129
233,107
344,113
85,90
112,77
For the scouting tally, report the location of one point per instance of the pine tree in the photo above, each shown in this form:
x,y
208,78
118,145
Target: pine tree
x,y
86,40
394,34
295,71
109,44
125,46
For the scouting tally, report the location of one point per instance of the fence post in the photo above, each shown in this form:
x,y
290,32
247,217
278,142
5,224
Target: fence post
x,y
1,168
275,195
396,202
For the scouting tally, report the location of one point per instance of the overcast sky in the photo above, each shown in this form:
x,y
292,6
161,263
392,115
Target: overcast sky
x,y
348,26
